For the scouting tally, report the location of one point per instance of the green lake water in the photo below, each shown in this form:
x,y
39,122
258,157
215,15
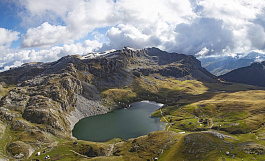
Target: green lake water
x,y
123,123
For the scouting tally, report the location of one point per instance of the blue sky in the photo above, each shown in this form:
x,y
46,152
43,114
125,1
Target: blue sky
x,y
45,30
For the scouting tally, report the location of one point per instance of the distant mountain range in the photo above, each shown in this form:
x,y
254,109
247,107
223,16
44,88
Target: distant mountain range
x,y
253,74
222,65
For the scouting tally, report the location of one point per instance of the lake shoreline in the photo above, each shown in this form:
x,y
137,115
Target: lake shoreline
x,y
120,123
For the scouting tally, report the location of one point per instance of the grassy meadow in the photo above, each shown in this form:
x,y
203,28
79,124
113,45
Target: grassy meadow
x,y
207,121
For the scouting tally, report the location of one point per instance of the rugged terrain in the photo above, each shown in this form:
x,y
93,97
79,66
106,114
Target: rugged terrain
x,y
41,102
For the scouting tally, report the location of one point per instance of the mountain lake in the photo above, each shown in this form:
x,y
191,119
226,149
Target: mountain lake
x,y
122,123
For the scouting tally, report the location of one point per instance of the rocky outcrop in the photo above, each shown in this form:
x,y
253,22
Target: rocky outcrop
x,y
81,110
197,145
45,100
253,149
91,151
20,150
57,95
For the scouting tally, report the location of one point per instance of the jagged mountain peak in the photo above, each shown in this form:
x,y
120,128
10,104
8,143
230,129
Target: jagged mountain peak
x,y
93,55
152,60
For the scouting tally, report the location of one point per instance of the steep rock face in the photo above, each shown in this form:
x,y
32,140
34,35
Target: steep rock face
x,y
25,72
175,65
253,75
59,94
81,110
48,100
162,57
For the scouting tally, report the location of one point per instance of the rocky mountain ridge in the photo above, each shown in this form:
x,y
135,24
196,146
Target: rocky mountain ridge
x,y
53,97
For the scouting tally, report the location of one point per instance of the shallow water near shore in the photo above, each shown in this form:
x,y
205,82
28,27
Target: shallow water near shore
x,y
122,123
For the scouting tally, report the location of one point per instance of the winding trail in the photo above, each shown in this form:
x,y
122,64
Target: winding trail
x,y
165,119
80,154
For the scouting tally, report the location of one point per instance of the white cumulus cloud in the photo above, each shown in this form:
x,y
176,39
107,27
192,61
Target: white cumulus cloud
x,y
204,27
150,17
149,12
236,12
7,37
46,35
79,17
13,58
204,32
128,35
